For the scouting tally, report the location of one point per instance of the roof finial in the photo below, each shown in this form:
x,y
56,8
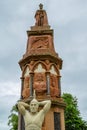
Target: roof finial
x,y
41,6
34,94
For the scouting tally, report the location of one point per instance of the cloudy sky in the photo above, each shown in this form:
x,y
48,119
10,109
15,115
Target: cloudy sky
x,y
68,18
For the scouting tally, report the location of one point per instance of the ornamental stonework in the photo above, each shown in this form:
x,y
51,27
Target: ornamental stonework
x,y
40,66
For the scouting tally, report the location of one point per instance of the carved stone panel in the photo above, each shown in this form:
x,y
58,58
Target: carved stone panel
x,y
40,83
54,91
26,89
40,42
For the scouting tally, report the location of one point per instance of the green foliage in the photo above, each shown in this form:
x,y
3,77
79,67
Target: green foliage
x,y
13,119
73,120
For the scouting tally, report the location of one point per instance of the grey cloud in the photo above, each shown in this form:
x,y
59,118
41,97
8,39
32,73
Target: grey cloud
x,y
66,11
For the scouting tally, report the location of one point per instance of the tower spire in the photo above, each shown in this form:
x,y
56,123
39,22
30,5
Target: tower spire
x,y
40,67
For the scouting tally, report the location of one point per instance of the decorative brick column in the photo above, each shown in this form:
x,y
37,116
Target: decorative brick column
x,y
48,83
22,84
31,84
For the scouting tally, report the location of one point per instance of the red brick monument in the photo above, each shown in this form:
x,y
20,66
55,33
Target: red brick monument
x,y
40,66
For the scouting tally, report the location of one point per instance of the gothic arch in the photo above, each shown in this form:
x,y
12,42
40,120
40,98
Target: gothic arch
x,y
24,70
39,63
55,67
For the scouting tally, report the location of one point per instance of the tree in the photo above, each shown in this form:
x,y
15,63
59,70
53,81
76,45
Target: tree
x,y
13,118
73,120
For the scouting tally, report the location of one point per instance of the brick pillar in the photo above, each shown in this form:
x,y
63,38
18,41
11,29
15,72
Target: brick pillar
x,y
31,84
22,84
48,83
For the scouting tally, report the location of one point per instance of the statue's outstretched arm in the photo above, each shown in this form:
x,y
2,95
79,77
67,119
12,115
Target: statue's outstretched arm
x,y
46,104
22,106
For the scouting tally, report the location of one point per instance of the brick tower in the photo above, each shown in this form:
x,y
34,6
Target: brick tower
x,y
40,67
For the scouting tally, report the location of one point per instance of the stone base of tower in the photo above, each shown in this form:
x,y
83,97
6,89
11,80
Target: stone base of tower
x,y
54,119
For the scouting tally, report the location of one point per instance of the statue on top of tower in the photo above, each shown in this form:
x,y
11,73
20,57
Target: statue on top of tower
x,y
41,17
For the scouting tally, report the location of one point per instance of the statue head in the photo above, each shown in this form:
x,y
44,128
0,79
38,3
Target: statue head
x,y
34,104
41,6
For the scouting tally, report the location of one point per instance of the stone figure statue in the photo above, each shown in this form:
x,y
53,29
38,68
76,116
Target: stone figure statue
x,y
32,117
41,17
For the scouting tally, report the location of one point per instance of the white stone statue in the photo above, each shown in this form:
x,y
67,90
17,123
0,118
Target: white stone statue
x,y
32,117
